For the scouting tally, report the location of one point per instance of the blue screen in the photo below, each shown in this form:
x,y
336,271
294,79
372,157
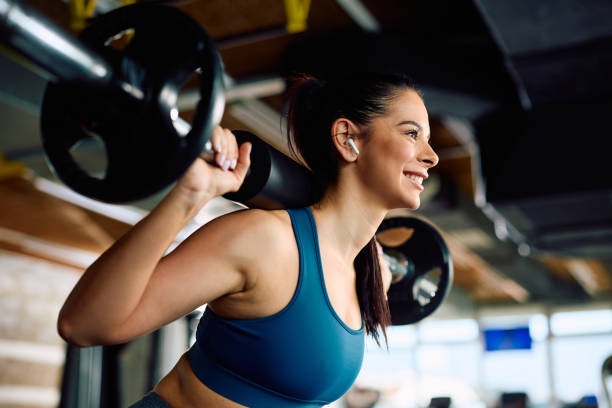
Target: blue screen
x,y
517,338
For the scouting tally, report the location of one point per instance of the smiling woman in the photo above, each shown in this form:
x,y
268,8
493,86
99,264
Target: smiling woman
x,y
290,293
383,114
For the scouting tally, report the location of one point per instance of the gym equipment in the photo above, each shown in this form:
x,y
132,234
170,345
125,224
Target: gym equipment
x,y
120,82
421,268
273,181
606,379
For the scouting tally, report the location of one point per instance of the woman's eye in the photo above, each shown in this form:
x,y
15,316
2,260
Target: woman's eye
x,y
413,134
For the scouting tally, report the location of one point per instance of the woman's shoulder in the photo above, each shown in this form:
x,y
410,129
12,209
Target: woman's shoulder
x,y
249,219
257,227
260,240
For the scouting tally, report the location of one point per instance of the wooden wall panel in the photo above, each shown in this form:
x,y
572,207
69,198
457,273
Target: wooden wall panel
x,y
32,353
25,209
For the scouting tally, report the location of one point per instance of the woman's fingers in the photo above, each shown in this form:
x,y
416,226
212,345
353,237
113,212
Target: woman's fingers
x,y
233,151
226,148
221,145
217,137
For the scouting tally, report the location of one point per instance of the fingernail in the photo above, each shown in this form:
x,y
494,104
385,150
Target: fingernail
x,y
218,147
226,164
233,165
221,160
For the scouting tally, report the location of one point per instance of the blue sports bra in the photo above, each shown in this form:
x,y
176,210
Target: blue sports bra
x,y
302,356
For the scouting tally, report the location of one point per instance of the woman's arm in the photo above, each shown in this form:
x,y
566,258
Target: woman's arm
x,y
111,302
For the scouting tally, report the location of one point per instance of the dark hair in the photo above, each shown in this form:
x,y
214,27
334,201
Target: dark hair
x,y
313,107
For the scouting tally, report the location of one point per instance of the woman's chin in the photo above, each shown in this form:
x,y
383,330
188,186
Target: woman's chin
x,y
411,203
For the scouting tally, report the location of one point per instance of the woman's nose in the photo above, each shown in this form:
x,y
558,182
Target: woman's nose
x,y
429,156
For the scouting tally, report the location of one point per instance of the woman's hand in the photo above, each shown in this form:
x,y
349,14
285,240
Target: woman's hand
x,y
226,174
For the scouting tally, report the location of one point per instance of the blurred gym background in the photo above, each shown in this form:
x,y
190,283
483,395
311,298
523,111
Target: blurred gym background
x,y
519,94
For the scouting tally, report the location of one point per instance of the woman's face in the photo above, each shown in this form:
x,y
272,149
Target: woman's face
x,y
396,156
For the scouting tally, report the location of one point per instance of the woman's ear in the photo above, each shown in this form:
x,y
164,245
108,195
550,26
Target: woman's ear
x,y
344,131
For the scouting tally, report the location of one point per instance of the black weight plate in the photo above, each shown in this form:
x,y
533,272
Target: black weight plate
x,y
145,153
274,181
427,251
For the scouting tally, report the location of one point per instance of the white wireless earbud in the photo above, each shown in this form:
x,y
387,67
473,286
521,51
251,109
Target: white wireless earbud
x,y
351,143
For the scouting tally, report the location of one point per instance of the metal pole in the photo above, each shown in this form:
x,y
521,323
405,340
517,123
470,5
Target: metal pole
x,y
48,46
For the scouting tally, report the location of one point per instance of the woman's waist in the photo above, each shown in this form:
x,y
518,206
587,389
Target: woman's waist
x,y
181,388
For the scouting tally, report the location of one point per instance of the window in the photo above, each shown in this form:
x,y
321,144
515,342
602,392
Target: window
x,y
581,322
456,365
448,358
448,331
520,369
577,365
390,371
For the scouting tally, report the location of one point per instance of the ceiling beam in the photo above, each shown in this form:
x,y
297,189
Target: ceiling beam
x,y
236,91
589,273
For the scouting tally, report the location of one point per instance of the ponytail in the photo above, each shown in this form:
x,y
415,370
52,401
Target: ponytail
x,y
371,292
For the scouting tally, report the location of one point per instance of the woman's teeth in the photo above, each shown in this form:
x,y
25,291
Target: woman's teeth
x,y
418,179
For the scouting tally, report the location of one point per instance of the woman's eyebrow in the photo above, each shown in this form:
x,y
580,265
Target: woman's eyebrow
x,y
412,122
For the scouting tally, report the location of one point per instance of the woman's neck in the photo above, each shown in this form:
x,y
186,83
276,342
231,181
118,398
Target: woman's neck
x,y
347,219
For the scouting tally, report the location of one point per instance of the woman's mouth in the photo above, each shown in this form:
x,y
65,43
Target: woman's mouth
x,y
416,179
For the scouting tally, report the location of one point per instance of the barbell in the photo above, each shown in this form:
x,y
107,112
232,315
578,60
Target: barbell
x,y
420,264
120,81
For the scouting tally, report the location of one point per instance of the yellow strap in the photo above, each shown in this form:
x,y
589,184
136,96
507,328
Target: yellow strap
x,y
297,14
80,12
10,169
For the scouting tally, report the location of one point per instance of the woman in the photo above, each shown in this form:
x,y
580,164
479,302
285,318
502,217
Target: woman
x,y
291,293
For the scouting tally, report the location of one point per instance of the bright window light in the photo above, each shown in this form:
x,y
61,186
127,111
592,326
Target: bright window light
x,y
401,336
538,327
577,365
511,370
581,322
448,331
